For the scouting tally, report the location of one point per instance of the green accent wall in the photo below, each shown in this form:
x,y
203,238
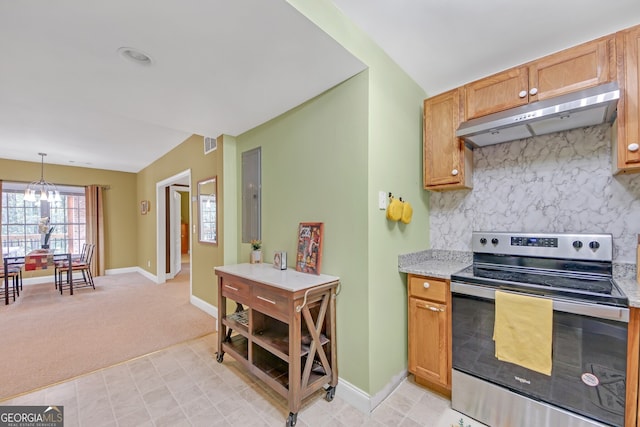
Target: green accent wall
x,y
314,168
326,160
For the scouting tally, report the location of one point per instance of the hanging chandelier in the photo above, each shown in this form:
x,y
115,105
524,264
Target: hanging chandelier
x,y
41,190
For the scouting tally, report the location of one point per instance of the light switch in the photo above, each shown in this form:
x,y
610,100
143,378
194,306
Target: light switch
x,y
382,200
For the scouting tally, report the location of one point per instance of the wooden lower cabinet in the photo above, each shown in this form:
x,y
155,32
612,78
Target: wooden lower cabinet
x,y
283,329
430,332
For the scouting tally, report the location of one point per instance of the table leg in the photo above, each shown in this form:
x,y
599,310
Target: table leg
x,y
70,274
6,283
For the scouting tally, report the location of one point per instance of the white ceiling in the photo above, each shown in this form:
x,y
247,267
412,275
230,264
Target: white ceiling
x,y
219,67
228,66
443,44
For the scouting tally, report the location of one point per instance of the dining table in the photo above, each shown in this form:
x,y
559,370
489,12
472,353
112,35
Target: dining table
x,y
39,259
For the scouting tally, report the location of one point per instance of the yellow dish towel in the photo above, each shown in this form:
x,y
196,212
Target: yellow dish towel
x,y
523,331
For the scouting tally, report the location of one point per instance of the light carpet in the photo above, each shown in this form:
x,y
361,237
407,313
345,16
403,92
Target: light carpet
x,y
47,337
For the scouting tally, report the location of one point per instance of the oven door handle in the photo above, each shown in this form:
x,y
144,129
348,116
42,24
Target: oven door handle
x,y
599,311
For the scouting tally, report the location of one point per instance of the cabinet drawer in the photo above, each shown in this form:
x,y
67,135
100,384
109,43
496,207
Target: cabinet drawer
x,y
237,291
428,288
270,302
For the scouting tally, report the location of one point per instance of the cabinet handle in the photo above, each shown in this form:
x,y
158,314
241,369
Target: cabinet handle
x,y
265,299
454,172
426,285
522,93
430,307
231,287
633,147
533,91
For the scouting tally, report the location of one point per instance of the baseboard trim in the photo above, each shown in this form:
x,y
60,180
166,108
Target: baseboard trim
x,y
38,280
142,271
208,308
386,391
362,400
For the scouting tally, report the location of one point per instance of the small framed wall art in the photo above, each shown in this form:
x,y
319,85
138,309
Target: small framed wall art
x,y
145,207
309,255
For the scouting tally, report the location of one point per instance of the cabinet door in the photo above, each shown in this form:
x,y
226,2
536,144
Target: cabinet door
x,y
626,152
499,92
428,342
443,153
573,69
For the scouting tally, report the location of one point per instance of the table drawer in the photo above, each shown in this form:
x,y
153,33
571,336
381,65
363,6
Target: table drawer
x,y
271,302
428,288
237,291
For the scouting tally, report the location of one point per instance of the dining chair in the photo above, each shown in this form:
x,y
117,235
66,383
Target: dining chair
x,y
81,265
81,257
14,277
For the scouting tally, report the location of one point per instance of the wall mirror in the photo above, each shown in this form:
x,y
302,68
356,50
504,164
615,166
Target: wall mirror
x,y
208,210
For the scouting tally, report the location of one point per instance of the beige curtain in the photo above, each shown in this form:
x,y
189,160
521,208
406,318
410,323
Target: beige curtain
x,y
95,227
1,218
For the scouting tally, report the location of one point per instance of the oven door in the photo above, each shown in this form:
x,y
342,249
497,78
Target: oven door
x,y
589,354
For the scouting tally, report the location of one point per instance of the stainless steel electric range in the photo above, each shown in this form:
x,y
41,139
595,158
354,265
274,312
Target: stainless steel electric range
x,y
587,384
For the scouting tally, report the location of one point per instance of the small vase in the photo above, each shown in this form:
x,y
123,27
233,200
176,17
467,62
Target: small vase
x,y
256,257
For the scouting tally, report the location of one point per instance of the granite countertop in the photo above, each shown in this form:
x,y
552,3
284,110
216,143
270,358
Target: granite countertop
x,y
434,263
442,264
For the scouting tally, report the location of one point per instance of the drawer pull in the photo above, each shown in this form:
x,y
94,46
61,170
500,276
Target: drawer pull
x,y
265,299
633,147
426,285
231,287
430,307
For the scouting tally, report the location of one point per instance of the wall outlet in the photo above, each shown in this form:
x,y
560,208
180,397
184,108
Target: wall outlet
x,y
148,263
382,200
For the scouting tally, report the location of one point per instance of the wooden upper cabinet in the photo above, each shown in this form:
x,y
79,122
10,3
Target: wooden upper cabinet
x,y
626,138
447,160
499,92
570,70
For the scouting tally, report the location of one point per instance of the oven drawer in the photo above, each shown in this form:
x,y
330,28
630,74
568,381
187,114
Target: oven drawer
x,y
428,288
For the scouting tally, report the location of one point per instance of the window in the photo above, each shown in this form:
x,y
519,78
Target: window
x,y
21,220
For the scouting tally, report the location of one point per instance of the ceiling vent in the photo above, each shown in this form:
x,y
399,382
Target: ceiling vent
x,y
210,144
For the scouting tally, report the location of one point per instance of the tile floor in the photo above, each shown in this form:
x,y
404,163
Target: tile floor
x,y
185,386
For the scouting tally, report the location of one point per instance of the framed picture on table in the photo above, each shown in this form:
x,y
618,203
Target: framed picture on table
x,y
309,253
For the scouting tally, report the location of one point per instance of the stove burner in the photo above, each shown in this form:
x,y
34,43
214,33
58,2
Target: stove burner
x,y
589,284
554,265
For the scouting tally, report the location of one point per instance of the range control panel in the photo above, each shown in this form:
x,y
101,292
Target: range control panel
x,y
545,242
586,246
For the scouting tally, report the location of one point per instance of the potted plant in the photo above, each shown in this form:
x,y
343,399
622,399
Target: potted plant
x,y
256,252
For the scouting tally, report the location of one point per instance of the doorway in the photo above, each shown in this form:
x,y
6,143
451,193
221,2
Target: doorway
x,y
169,214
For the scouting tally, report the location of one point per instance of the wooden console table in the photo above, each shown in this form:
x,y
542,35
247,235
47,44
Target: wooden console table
x,y
283,330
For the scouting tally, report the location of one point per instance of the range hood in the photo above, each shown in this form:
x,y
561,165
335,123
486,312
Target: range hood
x,y
587,107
